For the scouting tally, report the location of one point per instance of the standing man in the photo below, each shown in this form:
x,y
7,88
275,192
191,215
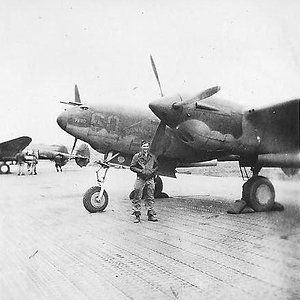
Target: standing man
x,y
145,165
20,158
34,162
58,162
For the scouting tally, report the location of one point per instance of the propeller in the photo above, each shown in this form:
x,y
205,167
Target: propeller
x,y
203,95
156,145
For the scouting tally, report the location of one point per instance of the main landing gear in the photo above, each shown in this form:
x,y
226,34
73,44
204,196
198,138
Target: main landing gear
x,y
258,193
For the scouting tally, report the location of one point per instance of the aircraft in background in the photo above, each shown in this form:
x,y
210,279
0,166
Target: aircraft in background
x,y
8,151
81,156
192,130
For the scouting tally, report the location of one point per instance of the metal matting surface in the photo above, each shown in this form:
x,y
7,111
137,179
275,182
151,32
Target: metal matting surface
x,y
52,248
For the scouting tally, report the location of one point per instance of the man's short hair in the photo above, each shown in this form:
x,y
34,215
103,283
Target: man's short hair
x,y
144,143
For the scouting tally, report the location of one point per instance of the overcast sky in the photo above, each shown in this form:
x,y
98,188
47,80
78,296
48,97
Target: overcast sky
x,y
250,48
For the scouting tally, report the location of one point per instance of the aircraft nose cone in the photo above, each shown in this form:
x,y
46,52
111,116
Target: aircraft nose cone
x,y
62,120
164,110
156,107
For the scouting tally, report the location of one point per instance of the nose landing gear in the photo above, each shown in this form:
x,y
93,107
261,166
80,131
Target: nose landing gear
x,y
95,199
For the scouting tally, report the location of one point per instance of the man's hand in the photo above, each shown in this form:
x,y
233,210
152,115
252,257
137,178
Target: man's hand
x,y
147,174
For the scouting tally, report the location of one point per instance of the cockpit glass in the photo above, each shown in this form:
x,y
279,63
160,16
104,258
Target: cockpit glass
x,y
83,107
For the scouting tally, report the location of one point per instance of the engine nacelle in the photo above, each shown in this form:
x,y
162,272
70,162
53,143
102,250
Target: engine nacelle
x,y
82,156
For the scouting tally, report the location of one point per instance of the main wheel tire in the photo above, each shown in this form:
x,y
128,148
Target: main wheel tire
x,y
157,192
4,168
158,187
163,195
91,200
259,193
131,195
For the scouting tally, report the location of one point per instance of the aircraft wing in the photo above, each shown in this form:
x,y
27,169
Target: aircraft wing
x,y
277,126
9,149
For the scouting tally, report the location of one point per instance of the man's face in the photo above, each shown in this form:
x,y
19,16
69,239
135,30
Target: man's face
x,y
145,148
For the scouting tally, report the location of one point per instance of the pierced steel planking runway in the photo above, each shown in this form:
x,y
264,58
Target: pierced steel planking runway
x,y
52,248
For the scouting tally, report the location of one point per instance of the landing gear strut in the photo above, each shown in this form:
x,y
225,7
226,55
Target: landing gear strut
x,y
258,193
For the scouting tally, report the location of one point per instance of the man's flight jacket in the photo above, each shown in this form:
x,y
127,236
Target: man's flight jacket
x,y
144,166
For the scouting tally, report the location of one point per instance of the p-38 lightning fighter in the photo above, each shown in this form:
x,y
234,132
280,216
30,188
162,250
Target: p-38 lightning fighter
x,y
193,129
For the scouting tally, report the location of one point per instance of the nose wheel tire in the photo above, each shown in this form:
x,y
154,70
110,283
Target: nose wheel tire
x,y
92,202
259,193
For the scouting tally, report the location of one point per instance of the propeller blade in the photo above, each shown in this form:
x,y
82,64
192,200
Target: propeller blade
x,y
75,141
156,144
208,92
156,74
203,95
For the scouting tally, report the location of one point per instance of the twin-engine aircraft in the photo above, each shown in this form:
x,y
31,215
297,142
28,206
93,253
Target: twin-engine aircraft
x,y
192,130
81,156
9,150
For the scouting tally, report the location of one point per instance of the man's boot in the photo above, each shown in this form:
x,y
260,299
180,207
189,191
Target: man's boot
x,y
137,217
151,216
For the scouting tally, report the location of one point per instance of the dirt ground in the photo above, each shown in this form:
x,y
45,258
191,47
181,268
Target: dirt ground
x,y
52,248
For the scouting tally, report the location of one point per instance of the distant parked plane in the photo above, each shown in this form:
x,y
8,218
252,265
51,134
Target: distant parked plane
x,y
8,151
82,154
